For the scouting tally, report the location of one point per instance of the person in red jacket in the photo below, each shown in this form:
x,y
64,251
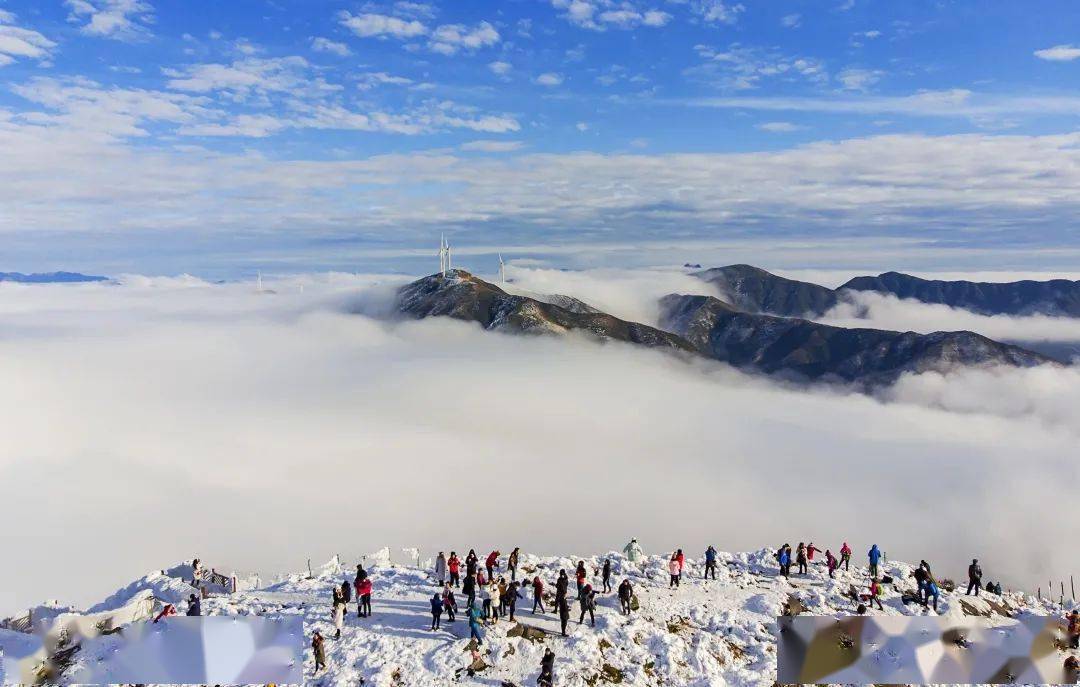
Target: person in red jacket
x,y
169,610
845,556
810,551
538,594
363,588
830,560
491,563
454,566
580,575
682,562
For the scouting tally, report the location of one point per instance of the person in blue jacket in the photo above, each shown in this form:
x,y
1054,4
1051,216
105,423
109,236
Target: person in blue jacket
x,y
436,611
475,617
784,558
932,591
710,562
875,557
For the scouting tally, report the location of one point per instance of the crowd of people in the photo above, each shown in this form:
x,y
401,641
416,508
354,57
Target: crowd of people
x,y
490,596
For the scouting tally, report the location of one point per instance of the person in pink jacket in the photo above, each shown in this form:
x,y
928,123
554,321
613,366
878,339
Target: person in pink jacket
x,y
674,569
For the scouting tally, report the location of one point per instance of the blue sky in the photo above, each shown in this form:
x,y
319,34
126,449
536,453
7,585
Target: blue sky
x,y
173,136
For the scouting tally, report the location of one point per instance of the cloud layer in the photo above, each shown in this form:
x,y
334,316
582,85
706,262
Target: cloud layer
x,y
162,419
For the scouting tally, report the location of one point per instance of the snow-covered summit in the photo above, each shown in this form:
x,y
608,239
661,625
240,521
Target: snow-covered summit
x,y
702,632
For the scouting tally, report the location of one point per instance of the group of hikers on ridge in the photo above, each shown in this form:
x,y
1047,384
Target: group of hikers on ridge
x,y
927,584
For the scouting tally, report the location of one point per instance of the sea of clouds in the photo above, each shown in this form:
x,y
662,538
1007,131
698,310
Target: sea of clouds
x,y
159,419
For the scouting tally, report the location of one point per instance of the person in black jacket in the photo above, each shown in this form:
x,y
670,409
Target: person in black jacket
x,y
346,591
607,575
974,577
626,593
560,587
587,600
547,670
511,597
564,613
470,563
194,606
468,588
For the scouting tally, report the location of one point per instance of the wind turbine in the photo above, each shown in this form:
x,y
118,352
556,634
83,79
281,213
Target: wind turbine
x,y
502,269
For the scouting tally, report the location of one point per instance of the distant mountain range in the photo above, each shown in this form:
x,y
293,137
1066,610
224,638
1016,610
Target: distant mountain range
x,y
754,290
49,277
790,347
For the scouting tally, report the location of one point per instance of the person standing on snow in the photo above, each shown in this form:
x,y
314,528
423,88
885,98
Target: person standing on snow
x,y
475,617
783,557
511,597
346,592
974,577
1074,629
491,563
436,611
606,574
468,588
587,600
561,585
682,562
454,566
810,551
626,593
874,555
673,570
633,551
845,556
830,561
920,576
440,568
800,558
512,563
932,590
365,597
449,603
361,574
710,562
580,575
496,599
194,608
538,595
470,563
547,670
875,593
564,613
318,650
339,613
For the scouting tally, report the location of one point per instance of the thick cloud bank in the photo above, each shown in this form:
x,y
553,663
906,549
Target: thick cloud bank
x,y
160,419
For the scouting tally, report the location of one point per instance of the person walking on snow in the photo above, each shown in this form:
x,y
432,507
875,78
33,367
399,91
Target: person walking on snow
x,y
626,593
454,566
606,574
831,562
564,613
875,593
845,556
921,576
682,562
673,571
561,585
633,551
587,600
874,555
440,568
449,603
538,595
783,557
436,611
365,597
580,575
511,597
318,650
512,563
547,670
491,563
810,551
710,562
496,599
475,617
974,577
800,558
932,590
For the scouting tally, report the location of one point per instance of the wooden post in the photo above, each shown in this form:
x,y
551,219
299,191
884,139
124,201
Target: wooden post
x,y
1039,592
1072,585
309,573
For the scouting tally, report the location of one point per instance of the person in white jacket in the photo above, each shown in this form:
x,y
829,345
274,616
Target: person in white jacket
x,y
633,551
440,569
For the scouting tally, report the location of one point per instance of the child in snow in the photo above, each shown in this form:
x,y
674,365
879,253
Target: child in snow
x,y
436,611
449,603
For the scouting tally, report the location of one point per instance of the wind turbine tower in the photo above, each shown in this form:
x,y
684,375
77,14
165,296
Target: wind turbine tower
x,y
502,269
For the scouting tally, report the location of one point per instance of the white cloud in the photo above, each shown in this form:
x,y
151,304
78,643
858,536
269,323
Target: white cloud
x,y
717,11
600,15
488,146
116,19
778,127
448,39
655,18
244,77
550,79
500,68
18,42
582,126
320,44
369,25
369,80
1059,53
357,389
791,21
859,79
742,67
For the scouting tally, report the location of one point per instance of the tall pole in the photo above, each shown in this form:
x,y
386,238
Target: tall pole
x,y
502,269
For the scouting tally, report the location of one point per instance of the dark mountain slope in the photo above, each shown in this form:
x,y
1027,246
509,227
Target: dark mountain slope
x,y
462,296
803,349
754,290
49,277
1054,297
